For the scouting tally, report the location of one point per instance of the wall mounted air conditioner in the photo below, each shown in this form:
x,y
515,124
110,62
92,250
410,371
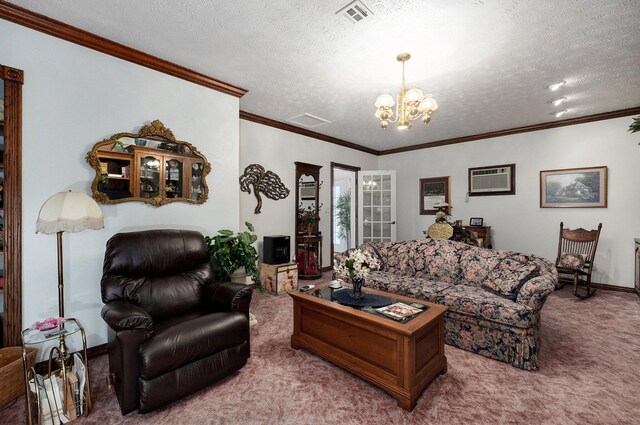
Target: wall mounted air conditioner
x,y
493,180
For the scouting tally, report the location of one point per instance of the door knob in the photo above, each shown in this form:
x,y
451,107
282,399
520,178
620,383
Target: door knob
x,y
393,222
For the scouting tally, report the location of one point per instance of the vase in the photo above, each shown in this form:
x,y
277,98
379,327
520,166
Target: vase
x,y
356,291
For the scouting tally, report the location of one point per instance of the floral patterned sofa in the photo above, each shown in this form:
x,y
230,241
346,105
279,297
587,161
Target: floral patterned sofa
x,y
494,297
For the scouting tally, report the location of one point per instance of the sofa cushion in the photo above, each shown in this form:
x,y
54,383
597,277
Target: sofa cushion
x,y
508,276
486,305
427,290
437,259
398,257
180,340
476,263
572,261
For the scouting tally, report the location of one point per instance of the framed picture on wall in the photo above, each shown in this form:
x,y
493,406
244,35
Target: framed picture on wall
x,y
434,191
574,188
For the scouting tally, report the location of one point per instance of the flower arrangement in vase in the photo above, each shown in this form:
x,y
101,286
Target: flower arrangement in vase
x,y
356,266
308,218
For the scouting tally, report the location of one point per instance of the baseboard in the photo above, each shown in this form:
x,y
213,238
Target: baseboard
x,y
613,287
327,269
92,352
605,286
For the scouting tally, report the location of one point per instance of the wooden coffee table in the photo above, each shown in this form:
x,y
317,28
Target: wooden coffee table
x,y
401,358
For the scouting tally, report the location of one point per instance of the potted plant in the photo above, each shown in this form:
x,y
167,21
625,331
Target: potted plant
x,y
308,218
635,126
343,214
230,252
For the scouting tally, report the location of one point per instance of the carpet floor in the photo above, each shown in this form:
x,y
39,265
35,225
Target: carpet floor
x,y
589,375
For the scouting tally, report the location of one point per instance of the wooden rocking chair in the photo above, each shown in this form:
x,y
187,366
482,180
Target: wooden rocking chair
x,y
576,252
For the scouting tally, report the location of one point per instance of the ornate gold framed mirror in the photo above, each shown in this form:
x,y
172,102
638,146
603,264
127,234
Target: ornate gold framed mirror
x,y
149,166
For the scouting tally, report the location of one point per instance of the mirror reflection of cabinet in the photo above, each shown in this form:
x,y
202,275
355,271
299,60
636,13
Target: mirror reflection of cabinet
x,y
308,236
150,166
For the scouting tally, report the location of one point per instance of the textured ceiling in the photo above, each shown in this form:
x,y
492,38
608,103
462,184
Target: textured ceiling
x,y
486,62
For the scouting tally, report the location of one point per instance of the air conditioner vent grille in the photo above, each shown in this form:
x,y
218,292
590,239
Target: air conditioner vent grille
x,y
355,11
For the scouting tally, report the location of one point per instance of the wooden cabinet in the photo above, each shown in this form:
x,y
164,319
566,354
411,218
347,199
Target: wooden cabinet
x,y
308,238
637,275
149,173
171,174
115,169
480,236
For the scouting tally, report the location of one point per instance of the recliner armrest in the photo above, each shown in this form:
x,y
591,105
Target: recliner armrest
x,y
121,315
228,296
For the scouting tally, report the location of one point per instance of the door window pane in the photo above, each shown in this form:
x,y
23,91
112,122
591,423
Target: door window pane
x,y
366,199
366,229
366,212
376,199
376,230
386,182
386,213
377,214
386,230
386,197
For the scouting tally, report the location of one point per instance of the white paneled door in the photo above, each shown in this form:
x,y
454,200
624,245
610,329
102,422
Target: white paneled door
x,y
377,206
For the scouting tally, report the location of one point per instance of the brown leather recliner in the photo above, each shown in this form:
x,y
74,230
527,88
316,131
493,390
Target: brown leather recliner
x,y
173,329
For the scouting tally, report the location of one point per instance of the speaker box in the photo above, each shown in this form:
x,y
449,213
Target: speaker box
x,y
276,249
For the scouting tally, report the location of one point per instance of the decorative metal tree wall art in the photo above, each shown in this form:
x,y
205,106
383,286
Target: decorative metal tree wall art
x,y
262,181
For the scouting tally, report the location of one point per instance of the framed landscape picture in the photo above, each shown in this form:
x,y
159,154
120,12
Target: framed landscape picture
x,y
574,188
433,191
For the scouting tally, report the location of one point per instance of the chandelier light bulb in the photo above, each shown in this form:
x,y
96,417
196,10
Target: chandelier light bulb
x,y
413,95
428,105
385,100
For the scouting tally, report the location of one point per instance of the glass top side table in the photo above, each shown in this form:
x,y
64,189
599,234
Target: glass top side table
x,y
63,394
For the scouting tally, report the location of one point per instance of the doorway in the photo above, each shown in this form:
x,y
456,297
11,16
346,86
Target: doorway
x,y
344,207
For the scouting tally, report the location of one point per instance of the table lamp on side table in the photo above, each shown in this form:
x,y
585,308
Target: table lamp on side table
x,y
67,212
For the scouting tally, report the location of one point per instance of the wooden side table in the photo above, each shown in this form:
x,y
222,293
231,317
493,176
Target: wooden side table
x,y
480,236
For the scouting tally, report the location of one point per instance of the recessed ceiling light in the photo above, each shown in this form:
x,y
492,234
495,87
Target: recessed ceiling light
x,y
556,86
560,113
557,102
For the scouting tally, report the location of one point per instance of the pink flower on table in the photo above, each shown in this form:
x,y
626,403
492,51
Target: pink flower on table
x,y
47,324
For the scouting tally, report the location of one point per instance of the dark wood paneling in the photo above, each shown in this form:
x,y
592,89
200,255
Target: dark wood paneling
x,y
44,24
293,129
13,79
517,130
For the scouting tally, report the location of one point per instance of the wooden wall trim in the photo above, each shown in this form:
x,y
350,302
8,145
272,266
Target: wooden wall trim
x,y
517,130
613,287
13,79
44,24
293,129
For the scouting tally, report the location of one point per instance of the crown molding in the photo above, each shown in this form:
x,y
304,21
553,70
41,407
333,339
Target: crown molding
x,y
298,130
517,130
27,18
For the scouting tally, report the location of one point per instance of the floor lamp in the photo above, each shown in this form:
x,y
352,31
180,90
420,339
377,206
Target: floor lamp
x,y
67,212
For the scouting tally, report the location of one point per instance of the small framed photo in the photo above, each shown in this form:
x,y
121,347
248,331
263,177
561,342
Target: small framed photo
x,y
475,221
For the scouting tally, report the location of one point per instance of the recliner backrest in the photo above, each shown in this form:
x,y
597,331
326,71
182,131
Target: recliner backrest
x,y
161,271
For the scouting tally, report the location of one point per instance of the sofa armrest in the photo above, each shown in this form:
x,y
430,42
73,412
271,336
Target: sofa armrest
x,y
121,315
228,296
536,290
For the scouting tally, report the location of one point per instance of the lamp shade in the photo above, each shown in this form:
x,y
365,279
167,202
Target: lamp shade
x,y
69,212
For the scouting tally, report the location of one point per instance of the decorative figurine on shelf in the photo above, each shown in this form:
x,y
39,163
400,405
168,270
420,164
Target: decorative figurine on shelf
x,y
445,229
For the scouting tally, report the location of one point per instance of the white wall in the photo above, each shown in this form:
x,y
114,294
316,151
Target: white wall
x,y
74,97
277,150
518,223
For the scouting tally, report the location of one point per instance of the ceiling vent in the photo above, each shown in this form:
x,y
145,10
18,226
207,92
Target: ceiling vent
x,y
355,11
308,120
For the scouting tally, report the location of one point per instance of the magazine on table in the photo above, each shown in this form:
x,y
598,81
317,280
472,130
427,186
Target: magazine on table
x,y
400,311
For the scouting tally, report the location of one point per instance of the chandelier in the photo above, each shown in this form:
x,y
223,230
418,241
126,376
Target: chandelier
x,y
412,104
